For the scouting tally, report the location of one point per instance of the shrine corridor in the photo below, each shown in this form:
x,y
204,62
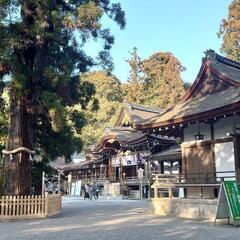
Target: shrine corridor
x,y
112,220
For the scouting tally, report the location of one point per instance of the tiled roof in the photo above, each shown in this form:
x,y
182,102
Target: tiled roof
x,y
198,105
193,106
227,71
172,152
132,138
136,113
134,106
139,113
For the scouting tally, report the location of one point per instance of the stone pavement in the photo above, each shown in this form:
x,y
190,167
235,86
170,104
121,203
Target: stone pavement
x,y
109,219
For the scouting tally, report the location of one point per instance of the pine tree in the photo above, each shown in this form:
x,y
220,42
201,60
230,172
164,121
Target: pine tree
x,y
41,56
230,32
134,89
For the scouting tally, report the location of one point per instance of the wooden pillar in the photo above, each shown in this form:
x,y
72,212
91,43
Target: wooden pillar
x,y
162,167
105,171
170,192
146,169
120,170
110,170
212,130
155,192
236,144
43,183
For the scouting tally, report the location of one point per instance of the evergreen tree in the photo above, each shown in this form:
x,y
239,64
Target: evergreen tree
x,y
134,89
163,85
41,56
230,32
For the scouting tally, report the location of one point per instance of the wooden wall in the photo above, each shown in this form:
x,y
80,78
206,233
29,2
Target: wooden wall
x,y
198,165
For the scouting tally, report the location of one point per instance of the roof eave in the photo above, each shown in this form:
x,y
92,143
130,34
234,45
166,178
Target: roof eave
x,y
225,110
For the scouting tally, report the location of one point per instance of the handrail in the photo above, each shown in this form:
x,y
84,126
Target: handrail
x,y
192,177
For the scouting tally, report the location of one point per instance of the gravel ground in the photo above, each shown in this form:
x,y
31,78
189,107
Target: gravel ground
x,y
113,220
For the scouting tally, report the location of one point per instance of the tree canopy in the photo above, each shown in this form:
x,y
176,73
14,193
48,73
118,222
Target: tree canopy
x,y
41,57
154,81
230,32
110,97
134,89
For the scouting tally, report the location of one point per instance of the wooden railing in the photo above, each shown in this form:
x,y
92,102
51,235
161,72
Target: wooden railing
x,y
207,177
53,205
166,183
135,180
96,180
20,207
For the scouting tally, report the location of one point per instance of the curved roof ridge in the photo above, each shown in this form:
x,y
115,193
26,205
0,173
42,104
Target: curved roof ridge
x,y
144,108
228,61
212,55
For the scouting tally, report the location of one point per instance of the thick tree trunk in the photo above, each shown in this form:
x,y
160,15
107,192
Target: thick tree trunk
x,y
17,168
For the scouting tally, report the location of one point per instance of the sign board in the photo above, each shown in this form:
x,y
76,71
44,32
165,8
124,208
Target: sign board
x,y
76,188
131,159
229,202
112,189
140,173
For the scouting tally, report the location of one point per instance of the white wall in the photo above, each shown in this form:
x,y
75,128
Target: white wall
x,y
224,152
224,126
224,158
221,128
192,130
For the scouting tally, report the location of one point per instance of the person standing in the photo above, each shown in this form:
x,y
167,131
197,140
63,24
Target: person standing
x,y
86,192
97,192
90,191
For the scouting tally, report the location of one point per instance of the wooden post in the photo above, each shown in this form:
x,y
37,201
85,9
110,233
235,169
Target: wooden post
x,y
120,170
14,206
110,177
170,192
155,192
46,204
141,188
236,144
43,183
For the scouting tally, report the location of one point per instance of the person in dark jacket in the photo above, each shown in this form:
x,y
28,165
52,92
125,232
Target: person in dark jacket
x,y
86,191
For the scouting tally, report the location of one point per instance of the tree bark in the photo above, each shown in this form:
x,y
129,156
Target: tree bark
x,y
17,169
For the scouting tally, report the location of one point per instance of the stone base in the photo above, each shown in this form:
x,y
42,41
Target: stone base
x,y
185,208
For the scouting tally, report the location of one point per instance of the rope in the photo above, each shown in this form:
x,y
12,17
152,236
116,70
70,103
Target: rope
x,y
19,149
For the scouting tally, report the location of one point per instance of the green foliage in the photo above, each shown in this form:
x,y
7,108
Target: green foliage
x,y
230,32
37,169
162,79
109,95
41,58
4,103
1,177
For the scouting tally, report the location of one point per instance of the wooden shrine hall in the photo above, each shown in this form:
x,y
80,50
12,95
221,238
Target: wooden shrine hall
x,y
207,121
121,151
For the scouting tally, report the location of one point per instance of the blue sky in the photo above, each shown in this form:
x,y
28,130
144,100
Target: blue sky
x,y
184,27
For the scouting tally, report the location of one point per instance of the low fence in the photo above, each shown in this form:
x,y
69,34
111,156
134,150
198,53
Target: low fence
x,y
206,177
53,205
22,207
191,185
